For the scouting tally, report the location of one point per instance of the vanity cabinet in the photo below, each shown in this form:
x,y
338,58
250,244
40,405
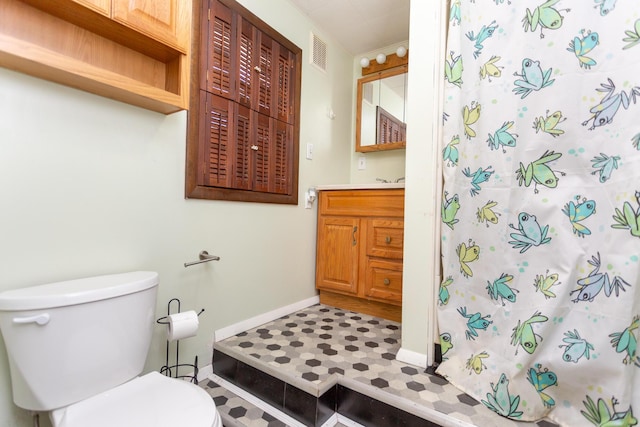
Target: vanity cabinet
x,y
359,250
134,51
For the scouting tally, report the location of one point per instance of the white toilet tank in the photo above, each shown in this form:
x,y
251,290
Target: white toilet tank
x,y
70,340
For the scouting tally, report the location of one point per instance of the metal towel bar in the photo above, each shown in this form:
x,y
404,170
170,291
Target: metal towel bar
x,y
204,257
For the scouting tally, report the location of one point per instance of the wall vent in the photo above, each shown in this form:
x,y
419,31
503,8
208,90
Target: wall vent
x,y
318,52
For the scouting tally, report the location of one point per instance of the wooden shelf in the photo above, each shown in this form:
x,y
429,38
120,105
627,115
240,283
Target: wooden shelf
x,y
100,57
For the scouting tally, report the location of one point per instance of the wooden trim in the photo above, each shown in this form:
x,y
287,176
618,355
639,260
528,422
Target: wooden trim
x,y
360,305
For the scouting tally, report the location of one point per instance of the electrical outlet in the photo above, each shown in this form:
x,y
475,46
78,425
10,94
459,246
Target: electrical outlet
x,y
362,163
309,151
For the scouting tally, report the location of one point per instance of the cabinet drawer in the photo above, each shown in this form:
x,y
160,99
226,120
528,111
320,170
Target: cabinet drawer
x,y
385,238
385,203
384,280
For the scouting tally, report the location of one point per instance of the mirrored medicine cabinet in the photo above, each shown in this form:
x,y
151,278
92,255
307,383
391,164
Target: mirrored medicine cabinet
x,y
381,110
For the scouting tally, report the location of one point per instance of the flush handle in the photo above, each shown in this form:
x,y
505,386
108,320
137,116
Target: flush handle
x,y
40,319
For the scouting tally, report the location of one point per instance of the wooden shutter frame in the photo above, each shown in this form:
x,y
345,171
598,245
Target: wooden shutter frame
x,y
193,189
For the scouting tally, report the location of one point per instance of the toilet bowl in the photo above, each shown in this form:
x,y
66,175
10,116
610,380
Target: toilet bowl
x,y
152,400
76,350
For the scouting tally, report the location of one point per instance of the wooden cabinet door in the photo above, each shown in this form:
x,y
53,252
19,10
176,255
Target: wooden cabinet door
x,y
337,254
162,20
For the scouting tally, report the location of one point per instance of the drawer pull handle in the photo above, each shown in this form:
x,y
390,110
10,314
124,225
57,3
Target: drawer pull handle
x,y
387,239
355,229
386,281
257,68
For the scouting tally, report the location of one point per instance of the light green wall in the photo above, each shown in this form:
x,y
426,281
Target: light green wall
x,y
92,186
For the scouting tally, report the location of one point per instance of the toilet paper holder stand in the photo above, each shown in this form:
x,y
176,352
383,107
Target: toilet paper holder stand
x,y
173,370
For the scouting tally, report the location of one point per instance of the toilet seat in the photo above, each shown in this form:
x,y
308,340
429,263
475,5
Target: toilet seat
x,y
152,400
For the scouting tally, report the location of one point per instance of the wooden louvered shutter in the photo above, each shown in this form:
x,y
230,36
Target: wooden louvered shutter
x,y
390,128
282,161
216,124
284,90
243,129
242,149
265,76
261,153
220,70
245,55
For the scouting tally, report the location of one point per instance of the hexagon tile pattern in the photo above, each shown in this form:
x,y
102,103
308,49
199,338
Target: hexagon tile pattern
x,y
317,342
237,412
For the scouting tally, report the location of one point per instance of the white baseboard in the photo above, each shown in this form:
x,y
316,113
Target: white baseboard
x,y
261,319
205,372
412,357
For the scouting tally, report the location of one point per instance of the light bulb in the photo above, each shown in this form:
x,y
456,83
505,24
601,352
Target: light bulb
x,y
381,58
401,51
364,62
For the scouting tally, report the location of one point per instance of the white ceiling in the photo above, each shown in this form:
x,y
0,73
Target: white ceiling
x,y
360,26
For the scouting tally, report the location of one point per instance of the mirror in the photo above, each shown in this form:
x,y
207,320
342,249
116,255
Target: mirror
x,y
381,111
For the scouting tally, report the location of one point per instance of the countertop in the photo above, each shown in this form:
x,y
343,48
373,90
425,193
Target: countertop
x,y
372,186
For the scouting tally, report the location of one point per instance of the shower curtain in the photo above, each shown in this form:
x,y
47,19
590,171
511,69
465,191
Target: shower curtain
x,y
539,309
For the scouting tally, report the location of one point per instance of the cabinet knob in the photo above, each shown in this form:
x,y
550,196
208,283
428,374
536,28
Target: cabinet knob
x,y
254,147
387,239
386,281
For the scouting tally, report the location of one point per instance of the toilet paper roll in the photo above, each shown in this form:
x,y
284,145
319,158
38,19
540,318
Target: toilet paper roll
x,y
182,325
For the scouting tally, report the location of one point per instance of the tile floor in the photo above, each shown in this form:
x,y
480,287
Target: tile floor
x,y
319,348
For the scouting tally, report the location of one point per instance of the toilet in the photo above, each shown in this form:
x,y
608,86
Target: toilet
x,y
76,350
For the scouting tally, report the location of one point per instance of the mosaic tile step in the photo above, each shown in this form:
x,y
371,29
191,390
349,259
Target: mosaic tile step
x,y
238,412
319,347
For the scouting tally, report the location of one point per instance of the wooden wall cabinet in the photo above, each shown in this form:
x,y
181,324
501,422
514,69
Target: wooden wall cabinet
x,y
244,122
360,249
134,51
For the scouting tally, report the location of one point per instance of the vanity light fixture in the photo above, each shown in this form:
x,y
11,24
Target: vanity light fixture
x,y
381,58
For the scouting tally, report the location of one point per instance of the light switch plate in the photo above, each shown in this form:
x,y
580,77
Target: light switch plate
x,y
309,151
362,163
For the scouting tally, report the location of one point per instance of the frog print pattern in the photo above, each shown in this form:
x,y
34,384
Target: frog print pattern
x,y
540,208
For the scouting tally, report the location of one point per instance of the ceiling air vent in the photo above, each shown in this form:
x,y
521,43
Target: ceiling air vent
x,y
318,52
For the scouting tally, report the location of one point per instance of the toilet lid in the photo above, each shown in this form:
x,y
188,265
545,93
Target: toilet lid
x,y
152,400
